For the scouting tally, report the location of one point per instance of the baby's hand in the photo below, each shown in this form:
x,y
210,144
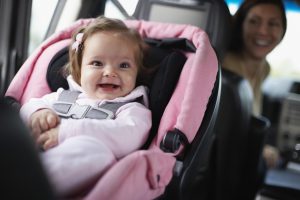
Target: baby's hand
x,y
48,139
43,120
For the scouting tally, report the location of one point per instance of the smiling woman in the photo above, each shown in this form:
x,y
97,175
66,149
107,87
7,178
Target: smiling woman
x,y
262,32
258,27
284,62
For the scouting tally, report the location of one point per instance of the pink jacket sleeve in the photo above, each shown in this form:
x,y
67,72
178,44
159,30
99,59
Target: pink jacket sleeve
x,y
123,135
35,104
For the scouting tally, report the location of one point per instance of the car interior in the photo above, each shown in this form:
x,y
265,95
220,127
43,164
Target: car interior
x,y
223,162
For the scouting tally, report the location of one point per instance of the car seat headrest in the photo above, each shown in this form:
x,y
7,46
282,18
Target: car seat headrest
x,y
55,73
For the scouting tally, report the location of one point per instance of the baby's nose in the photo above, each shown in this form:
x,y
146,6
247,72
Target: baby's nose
x,y
109,71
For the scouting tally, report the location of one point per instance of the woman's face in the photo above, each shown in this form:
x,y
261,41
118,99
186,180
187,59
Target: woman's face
x,y
262,30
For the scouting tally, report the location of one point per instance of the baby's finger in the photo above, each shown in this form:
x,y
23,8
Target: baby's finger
x,y
44,124
49,144
36,130
42,139
35,133
52,120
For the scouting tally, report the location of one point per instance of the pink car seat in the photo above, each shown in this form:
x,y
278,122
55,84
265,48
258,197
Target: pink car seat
x,y
175,163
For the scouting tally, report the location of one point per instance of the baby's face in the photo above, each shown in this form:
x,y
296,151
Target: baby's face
x,y
108,68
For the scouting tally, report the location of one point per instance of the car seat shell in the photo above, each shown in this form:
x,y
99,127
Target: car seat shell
x,y
144,174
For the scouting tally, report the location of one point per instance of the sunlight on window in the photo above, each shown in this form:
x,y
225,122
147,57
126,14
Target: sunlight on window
x,y
40,18
112,11
69,14
232,8
285,58
129,5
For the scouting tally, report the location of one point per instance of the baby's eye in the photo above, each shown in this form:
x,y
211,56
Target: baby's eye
x,y
97,63
124,65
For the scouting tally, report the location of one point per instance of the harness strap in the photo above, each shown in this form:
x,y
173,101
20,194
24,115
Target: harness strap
x,y
67,108
65,101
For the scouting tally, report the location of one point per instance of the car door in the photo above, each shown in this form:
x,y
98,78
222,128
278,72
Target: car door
x,y
14,34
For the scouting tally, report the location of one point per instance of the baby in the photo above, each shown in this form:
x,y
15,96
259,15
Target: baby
x,y
102,117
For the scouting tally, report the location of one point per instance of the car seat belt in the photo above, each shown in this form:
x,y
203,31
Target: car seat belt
x,y
67,108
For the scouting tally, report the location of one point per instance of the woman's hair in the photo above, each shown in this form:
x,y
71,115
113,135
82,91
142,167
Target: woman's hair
x,y
239,18
101,24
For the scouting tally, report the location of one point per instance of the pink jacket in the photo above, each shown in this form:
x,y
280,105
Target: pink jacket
x,y
124,134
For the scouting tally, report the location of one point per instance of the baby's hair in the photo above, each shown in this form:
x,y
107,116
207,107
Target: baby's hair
x,y
103,24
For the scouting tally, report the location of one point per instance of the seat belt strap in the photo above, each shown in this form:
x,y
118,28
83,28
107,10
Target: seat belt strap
x,y
67,108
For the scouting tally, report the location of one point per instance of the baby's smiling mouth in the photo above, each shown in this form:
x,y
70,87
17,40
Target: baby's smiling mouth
x,y
108,86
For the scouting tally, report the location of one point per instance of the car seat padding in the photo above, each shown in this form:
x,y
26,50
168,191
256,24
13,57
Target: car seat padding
x,y
55,72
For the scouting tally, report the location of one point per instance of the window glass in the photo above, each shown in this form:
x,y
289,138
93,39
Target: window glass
x,y
285,57
69,14
129,5
41,14
112,11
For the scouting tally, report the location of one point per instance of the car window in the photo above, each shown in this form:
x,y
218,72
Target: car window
x,y
41,15
111,9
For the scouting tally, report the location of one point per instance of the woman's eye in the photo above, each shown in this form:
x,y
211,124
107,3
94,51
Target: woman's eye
x,y
274,24
253,21
124,65
97,63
